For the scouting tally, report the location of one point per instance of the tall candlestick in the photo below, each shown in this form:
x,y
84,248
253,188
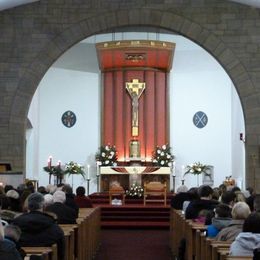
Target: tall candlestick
x,y
183,171
88,172
173,169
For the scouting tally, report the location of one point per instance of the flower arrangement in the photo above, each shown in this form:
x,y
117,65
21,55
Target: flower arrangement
x,y
197,168
162,156
135,191
74,168
107,155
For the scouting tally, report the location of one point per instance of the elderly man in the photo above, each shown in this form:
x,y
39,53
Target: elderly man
x,y
39,228
64,213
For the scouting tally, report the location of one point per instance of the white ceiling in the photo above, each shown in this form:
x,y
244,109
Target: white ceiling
x,y
6,4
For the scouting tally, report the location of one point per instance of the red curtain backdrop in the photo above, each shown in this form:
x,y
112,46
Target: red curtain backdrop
x,y
117,111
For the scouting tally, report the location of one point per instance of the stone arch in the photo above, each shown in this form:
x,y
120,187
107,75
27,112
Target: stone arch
x,y
123,18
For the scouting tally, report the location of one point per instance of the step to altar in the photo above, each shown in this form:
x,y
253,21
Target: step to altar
x,y
133,214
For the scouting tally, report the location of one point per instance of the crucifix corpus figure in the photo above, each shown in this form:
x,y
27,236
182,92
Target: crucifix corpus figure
x,y
135,89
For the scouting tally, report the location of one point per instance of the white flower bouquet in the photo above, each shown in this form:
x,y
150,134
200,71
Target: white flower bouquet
x,y
107,155
162,156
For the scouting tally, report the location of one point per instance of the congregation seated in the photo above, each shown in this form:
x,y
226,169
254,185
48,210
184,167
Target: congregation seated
x,y
250,198
42,190
182,195
70,202
249,239
65,214
50,188
8,249
13,199
13,233
256,203
204,202
221,220
228,198
239,213
39,228
3,198
81,199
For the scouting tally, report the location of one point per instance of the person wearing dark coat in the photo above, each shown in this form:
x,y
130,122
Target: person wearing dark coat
x,y
65,214
70,202
39,228
183,194
8,251
205,202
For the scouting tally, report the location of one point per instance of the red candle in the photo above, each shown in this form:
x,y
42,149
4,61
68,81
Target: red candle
x,y
49,161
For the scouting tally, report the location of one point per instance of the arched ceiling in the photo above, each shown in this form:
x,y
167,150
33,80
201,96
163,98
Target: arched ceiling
x,y
6,4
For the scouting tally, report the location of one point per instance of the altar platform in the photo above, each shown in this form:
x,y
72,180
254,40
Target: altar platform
x,y
126,175
133,214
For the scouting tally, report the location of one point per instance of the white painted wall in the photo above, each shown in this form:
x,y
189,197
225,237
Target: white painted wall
x,y
62,90
197,83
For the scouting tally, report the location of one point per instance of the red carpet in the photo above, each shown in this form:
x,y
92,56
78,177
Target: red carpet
x,y
134,244
133,214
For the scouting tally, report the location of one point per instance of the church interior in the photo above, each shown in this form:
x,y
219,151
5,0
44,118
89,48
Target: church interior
x,y
135,102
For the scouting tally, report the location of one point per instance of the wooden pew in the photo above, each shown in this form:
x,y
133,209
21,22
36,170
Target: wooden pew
x,y
89,232
191,244
218,247
48,253
177,231
228,257
69,233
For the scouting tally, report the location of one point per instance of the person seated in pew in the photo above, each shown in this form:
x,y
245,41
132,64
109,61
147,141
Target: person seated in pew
x,y
256,203
8,249
65,214
182,194
13,233
249,239
39,228
13,198
239,213
193,195
70,202
221,220
228,198
250,198
81,199
204,202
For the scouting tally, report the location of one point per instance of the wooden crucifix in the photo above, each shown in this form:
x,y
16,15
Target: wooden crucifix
x,y
135,90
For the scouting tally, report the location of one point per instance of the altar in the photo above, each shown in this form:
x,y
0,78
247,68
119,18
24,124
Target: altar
x,y
127,175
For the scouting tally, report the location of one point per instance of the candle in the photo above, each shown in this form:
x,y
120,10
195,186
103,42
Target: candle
x,y
173,168
183,171
88,172
49,161
59,164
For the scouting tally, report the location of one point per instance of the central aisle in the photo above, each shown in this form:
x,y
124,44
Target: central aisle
x,y
134,244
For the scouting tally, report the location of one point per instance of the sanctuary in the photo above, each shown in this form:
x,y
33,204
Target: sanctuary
x,y
135,108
